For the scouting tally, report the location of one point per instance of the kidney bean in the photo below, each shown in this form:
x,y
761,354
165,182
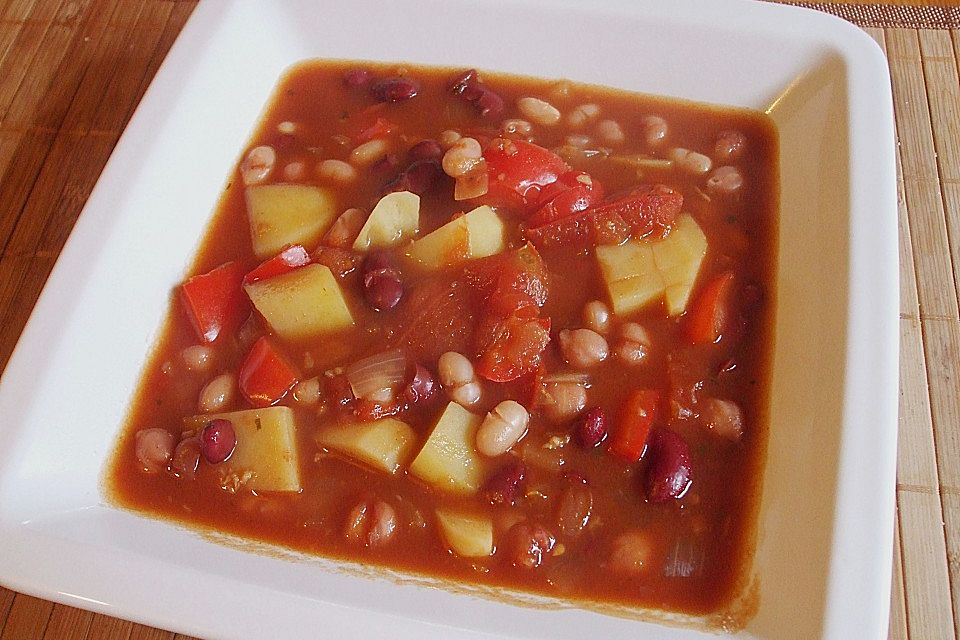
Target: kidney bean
x,y
387,163
506,485
459,82
426,150
421,387
668,472
591,428
381,282
489,103
574,509
218,440
528,543
154,448
356,77
419,178
186,457
729,145
372,523
339,391
339,261
394,89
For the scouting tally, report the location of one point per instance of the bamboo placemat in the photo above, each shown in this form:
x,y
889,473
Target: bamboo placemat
x,y
71,72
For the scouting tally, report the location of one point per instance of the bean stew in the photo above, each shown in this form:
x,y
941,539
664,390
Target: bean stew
x,y
498,330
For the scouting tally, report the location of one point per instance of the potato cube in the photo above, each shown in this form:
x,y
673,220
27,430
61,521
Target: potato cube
x,y
395,218
467,535
478,234
385,444
284,214
265,458
639,272
304,303
448,460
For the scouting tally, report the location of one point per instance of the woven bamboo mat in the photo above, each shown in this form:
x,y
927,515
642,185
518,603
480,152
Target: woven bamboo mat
x,y
71,72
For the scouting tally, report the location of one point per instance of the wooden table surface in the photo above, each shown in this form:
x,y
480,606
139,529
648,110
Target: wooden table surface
x,y
72,71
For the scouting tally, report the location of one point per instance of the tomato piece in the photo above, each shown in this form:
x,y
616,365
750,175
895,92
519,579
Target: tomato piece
x,y
573,192
517,171
265,375
629,440
381,128
286,261
215,302
520,271
708,315
643,211
514,350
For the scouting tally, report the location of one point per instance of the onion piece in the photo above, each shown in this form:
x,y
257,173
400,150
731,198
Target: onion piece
x,y
379,375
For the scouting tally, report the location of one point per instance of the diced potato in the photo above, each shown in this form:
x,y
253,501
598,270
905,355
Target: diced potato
x,y
395,218
468,536
265,458
385,444
640,272
448,460
304,303
478,234
283,214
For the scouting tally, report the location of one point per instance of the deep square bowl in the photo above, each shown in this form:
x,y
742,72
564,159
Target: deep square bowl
x,y
822,566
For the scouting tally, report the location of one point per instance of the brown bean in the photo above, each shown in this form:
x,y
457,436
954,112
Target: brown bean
x,y
154,448
528,543
372,523
574,509
186,458
669,469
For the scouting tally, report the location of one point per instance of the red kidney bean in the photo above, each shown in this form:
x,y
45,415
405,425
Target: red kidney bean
x,y
371,523
356,77
186,457
339,261
381,282
459,83
421,387
528,543
489,103
668,472
217,441
154,448
394,89
388,162
419,178
591,428
426,150
339,391
506,485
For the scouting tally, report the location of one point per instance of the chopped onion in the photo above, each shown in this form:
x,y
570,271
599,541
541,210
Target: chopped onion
x,y
378,376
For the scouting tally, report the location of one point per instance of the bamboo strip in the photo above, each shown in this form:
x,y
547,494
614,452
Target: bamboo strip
x,y
106,628
27,618
16,11
68,623
25,48
6,601
898,611
941,340
142,632
916,464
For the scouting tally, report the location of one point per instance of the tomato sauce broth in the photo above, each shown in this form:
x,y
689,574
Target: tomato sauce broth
x,y
688,553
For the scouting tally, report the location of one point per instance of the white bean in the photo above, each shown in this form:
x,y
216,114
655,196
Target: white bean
x,y
336,171
654,130
596,315
294,171
462,157
369,152
729,145
538,111
466,395
502,428
307,392
258,164
372,523
632,552
610,132
583,114
634,344
579,140
217,393
583,347
197,357
516,125
154,448
565,400
690,161
287,127
725,180
458,378
448,138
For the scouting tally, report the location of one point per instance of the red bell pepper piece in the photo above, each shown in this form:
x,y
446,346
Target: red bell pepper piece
x,y
286,261
265,376
645,210
629,440
215,302
707,318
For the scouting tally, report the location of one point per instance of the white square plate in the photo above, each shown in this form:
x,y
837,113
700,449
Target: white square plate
x,y
823,560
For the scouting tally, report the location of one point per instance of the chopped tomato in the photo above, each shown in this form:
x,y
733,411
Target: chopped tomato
x,y
519,271
266,375
215,302
514,349
381,128
645,210
641,410
709,313
284,262
573,192
518,170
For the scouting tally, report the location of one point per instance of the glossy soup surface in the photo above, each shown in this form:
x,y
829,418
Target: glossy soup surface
x,y
618,291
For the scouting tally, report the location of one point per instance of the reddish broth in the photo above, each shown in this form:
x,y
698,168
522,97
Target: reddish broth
x,y
640,546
